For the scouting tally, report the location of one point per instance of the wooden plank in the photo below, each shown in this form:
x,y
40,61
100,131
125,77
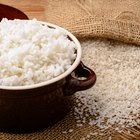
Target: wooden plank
x,y
32,8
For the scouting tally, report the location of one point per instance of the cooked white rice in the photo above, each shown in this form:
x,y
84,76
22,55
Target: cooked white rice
x,y
32,53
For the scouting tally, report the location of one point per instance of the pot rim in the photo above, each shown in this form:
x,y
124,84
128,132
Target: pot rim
x,y
63,75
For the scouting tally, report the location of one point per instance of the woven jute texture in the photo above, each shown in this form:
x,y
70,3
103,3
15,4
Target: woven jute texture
x,y
117,19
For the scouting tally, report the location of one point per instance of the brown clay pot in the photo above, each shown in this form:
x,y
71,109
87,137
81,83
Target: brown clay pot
x,y
28,108
31,109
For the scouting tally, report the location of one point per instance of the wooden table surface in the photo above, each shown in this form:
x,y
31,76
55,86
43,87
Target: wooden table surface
x,y
32,8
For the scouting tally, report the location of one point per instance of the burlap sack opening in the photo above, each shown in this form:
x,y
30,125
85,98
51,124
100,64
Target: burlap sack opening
x,y
117,20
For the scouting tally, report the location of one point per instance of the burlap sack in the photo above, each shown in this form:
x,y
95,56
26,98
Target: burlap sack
x,y
103,18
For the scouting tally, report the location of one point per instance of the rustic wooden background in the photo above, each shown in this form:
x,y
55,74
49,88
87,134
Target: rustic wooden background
x,y
32,8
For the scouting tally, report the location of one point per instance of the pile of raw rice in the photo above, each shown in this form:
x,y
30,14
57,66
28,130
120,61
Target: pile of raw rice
x,y
32,53
114,101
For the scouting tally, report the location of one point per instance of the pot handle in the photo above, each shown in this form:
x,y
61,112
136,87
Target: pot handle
x,y
81,78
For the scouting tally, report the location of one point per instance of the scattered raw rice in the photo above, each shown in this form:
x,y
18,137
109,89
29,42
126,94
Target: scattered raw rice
x,y
114,101
95,133
109,138
70,130
64,132
88,136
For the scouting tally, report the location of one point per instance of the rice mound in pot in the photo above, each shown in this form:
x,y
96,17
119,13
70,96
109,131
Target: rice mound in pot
x,y
31,53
